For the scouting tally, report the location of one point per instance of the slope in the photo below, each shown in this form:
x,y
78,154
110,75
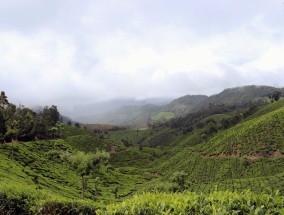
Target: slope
x,y
182,105
259,136
249,155
38,171
238,96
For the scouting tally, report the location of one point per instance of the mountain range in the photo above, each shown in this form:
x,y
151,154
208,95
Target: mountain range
x,y
138,113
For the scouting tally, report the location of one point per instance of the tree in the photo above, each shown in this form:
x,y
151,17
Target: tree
x,y
3,100
54,131
46,119
50,116
85,164
211,128
275,96
225,123
24,119
9,112
2,125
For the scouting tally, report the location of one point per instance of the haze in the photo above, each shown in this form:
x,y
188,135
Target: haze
x,y
71,53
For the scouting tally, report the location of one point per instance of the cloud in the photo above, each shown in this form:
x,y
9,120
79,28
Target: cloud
x,y
83,52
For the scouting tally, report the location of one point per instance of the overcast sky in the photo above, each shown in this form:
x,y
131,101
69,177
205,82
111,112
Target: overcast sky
x,y
66,52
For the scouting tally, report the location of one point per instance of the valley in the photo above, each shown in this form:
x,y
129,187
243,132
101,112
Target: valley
x,y
227,157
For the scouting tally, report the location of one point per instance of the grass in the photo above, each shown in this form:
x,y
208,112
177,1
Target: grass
x,y
163,116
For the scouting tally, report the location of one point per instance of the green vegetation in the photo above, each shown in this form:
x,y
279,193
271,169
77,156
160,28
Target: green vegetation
x,y
190,203
163,116
259,135
24,124
201,163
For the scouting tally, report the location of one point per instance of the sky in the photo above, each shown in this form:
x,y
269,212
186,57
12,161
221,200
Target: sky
x,y
81,52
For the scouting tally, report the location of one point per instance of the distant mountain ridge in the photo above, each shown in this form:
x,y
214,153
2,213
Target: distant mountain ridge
x,y
238,95
139,115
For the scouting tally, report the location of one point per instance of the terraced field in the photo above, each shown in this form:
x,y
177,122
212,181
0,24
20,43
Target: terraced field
x,y
249,156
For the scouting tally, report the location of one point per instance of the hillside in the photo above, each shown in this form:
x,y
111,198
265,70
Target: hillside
x,y
246,156
38,171
135,116
259,136
182,105
238,96
208,154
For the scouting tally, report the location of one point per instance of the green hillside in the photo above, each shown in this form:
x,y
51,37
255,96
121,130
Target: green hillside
x,y
183,105
191,164
267,109
261,136
38,170
238,95
246,156
163,116
133,116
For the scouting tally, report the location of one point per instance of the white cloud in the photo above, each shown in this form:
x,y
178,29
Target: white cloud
x,y
270,60
99,50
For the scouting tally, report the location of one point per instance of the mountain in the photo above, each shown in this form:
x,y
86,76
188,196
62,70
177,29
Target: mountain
x,y
183,105
79,112
138,115
134,116
237,96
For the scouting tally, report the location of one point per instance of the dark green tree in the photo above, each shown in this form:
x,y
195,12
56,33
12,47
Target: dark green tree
x,y
3,100
225,123
211,128
275,96
77,125
46,119
50,116
2,125
24,119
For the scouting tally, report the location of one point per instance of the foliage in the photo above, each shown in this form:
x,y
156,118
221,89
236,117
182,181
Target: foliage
x,y
163,116
85,164
253,136
180,179
190,203
25,200
275,96
197,153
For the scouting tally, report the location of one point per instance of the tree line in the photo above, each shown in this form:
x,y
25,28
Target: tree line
x,y
23,124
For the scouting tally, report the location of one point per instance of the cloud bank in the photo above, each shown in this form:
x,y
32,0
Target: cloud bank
x,y
73,52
